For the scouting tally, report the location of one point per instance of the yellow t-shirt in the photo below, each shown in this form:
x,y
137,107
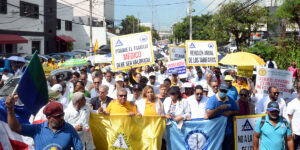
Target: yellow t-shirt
x,y
150,109
115,108
238,88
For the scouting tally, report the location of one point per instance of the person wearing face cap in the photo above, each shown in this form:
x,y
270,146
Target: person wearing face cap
x,y
153,83
54,133
221,104
136,93
188,90
272,129
175,80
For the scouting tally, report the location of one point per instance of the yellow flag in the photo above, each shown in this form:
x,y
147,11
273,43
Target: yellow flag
x,y
96,47
125,132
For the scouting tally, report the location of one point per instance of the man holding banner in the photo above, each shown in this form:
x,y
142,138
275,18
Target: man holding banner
x,y
220,104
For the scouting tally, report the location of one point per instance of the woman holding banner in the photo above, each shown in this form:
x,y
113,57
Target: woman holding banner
x,y
174,107
149,105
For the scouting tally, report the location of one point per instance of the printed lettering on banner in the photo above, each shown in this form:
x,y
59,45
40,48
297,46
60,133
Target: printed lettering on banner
x,y
178,65
267,77
245,71
132,50
201,53
244,131
177,52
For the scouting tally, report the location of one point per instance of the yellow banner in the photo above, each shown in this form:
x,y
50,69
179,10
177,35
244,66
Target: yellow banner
x,y
125,132
245,71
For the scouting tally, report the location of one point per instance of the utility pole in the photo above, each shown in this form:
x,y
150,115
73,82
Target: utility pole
x,y
138,26
151,16
191,20
91,26
132,25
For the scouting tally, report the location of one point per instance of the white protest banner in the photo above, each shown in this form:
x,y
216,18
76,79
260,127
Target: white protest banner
x,y
201,53
132,50
267,77
178,65
177,52
244,127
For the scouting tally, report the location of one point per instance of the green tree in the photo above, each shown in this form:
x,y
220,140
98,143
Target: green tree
x,y
200,32
239,20
290,10
131,25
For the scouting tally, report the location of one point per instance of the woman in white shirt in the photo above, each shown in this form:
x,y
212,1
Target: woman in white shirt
x,y
174,107
149,105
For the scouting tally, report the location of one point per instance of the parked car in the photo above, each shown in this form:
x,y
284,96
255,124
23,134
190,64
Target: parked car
x,y
83,52
27,57
9,87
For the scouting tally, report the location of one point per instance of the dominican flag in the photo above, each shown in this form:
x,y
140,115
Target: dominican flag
x,y
9,139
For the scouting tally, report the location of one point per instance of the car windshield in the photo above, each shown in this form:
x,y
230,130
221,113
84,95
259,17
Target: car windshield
x,y
9,87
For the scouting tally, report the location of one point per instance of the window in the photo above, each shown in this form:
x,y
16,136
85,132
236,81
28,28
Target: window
x,y
58,24
68,25
29,10
3,6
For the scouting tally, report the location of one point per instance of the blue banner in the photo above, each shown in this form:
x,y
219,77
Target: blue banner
x,y
196,134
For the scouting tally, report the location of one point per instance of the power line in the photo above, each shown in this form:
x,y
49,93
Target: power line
x,y
156,5
206,7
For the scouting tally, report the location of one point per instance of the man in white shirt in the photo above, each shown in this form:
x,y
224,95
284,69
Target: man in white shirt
x,y
146,72
197,103
261,105
95,91
108,80
293,111
152,82
5,76
77,114
199,78
162,75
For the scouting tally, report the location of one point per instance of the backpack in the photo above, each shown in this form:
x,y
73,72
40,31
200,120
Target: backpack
x,y
263,120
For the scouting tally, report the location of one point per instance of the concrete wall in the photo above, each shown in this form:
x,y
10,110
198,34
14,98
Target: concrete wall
x,y
81,34
27,47
13,21
64,12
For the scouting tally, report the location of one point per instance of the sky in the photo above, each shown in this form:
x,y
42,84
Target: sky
x,y
163,15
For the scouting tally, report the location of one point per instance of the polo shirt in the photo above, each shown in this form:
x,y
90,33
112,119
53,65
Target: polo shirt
x,y
45,138
272,137
233,93
214,102
197,110
115,108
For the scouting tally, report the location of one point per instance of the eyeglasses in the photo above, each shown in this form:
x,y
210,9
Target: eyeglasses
x,y
59,116
122,95
275,93
96,82
199,94
244,95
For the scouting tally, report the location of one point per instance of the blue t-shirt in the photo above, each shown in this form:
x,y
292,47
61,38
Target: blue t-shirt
x,y
45,138
233,93
272,137
214,103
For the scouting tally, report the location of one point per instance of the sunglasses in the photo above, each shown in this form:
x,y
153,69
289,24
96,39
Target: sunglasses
x,y
275,93
173,93
96,82
244,95
199,94
123,95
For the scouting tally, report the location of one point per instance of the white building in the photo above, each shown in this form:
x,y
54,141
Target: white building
x,y
21,26
103,17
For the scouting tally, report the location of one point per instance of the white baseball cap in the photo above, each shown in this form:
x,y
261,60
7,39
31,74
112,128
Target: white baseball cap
x,y
56,87
119,78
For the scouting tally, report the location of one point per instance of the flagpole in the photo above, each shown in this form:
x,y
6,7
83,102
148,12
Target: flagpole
x,y
14,91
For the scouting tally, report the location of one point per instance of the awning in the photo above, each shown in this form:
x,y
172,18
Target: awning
x,y
11,39
65,38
